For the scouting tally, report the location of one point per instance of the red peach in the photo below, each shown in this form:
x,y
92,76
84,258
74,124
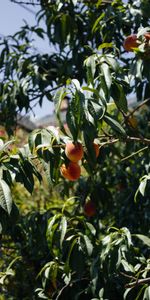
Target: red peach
x,y
74,151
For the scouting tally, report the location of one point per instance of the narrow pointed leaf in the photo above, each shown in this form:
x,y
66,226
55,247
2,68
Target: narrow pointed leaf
x,y
5,196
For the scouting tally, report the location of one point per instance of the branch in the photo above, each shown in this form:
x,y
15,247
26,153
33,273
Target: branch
x,y
138,139
137,282
25,2
134,153
128,139
138,107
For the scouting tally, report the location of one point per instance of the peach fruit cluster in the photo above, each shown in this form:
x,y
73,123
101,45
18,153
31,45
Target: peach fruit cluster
x,y
74,152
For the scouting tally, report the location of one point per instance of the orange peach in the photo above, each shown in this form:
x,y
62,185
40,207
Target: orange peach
x,y
96,148
89,208
71,171
74,151
130,42
147,36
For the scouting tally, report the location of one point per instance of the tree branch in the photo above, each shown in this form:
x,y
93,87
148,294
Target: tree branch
x,y
137,282
138,139
128,139
138,107
25,2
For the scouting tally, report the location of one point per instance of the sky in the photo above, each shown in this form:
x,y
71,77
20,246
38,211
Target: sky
x,y
12,17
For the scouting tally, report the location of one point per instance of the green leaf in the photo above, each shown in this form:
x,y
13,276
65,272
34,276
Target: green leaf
x,y
140,293
95,26
126,293
112,62
67,267
127,267
91,228
105,45
119,97
75,111
88,244
96,110
58,98
142,186
146,295
3,146
90,67
70,118
107,75
63,229
114,125
145,239
5,196
76,83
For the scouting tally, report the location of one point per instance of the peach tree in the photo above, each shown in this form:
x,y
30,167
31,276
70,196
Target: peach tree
x,y
90,238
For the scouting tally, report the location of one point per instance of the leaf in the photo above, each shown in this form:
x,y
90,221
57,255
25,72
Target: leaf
x,y
140,293
88,244
91,68
146,295
114,125
63,228
105,45
67,267
71,123
91,228
126,293
95,26
142,186
75,111
119,97
112,62
58,98
76,84
3,146
107,75
127,267
139,69
145,239
5,196
96,111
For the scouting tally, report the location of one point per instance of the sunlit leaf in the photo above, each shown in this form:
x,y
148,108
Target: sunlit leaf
x,y
5,196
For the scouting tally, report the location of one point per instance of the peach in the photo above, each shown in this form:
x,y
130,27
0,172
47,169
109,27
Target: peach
x,y
96,148
74,151
147,36
71,171
89,208
130,42
2,132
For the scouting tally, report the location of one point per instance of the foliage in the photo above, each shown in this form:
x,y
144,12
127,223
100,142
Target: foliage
x,y
50,248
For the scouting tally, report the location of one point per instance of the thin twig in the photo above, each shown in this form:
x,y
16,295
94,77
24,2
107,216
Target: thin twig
x,y
128,276
138,139
137,282
128,139
137,152
138,107
23,2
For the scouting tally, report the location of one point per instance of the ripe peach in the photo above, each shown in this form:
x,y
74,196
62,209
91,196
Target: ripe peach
x,y
74,151
130,42
89,208
72,171
2,132
96,148
147,36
